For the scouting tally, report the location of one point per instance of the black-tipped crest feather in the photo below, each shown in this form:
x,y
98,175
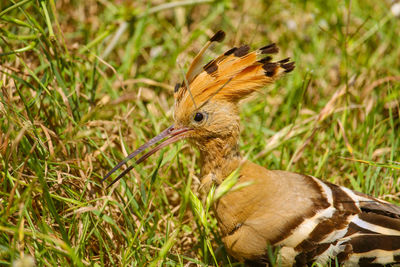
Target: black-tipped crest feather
x,y
219,36
230,51
241,51
177,86
269,49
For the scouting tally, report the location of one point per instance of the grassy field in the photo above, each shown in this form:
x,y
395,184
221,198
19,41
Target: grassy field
x,y
84,83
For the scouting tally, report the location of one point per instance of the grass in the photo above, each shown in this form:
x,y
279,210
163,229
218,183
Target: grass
x,y
85,83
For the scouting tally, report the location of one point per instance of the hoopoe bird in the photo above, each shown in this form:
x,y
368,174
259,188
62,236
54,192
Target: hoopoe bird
x,y
309,220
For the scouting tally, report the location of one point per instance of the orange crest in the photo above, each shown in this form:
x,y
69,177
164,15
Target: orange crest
x,y
231,76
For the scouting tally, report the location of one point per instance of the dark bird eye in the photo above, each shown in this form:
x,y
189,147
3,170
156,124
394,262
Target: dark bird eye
x,y
198,117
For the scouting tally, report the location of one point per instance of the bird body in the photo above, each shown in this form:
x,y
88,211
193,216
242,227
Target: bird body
x,y
309,220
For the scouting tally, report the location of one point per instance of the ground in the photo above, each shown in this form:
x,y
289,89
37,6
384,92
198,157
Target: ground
x,y
84,83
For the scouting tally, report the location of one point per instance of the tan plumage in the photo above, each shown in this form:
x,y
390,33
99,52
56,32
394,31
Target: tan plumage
x,y
308,219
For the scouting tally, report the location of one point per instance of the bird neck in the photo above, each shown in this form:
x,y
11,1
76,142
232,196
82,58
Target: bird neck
x,y
219,158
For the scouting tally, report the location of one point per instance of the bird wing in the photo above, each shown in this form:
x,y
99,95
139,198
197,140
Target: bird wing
x,y
374,205
362,230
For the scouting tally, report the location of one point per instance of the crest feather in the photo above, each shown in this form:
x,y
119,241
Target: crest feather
x,y
233,75
195,67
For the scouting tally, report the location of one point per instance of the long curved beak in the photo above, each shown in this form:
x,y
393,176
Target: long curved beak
x,y
171,133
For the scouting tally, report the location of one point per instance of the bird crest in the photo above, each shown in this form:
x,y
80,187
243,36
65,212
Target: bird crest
x,y
230,77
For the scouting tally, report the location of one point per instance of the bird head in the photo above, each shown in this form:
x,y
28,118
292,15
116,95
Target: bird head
x,y
206,102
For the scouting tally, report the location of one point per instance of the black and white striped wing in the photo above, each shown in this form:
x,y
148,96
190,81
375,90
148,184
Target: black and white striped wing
x,y
374,234
356,230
